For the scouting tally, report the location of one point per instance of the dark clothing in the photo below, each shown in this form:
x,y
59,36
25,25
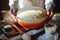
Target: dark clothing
x,y
4,4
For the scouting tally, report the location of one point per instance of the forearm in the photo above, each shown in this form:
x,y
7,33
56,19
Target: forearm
x,y
13,3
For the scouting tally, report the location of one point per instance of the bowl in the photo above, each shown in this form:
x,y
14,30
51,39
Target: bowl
x,y
31,17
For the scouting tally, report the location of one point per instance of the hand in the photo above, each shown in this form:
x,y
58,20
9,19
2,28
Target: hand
x,y
14,18
13,13
14,10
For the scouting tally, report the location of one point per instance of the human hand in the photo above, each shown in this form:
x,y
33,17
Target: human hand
x,y
14,10
13,13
